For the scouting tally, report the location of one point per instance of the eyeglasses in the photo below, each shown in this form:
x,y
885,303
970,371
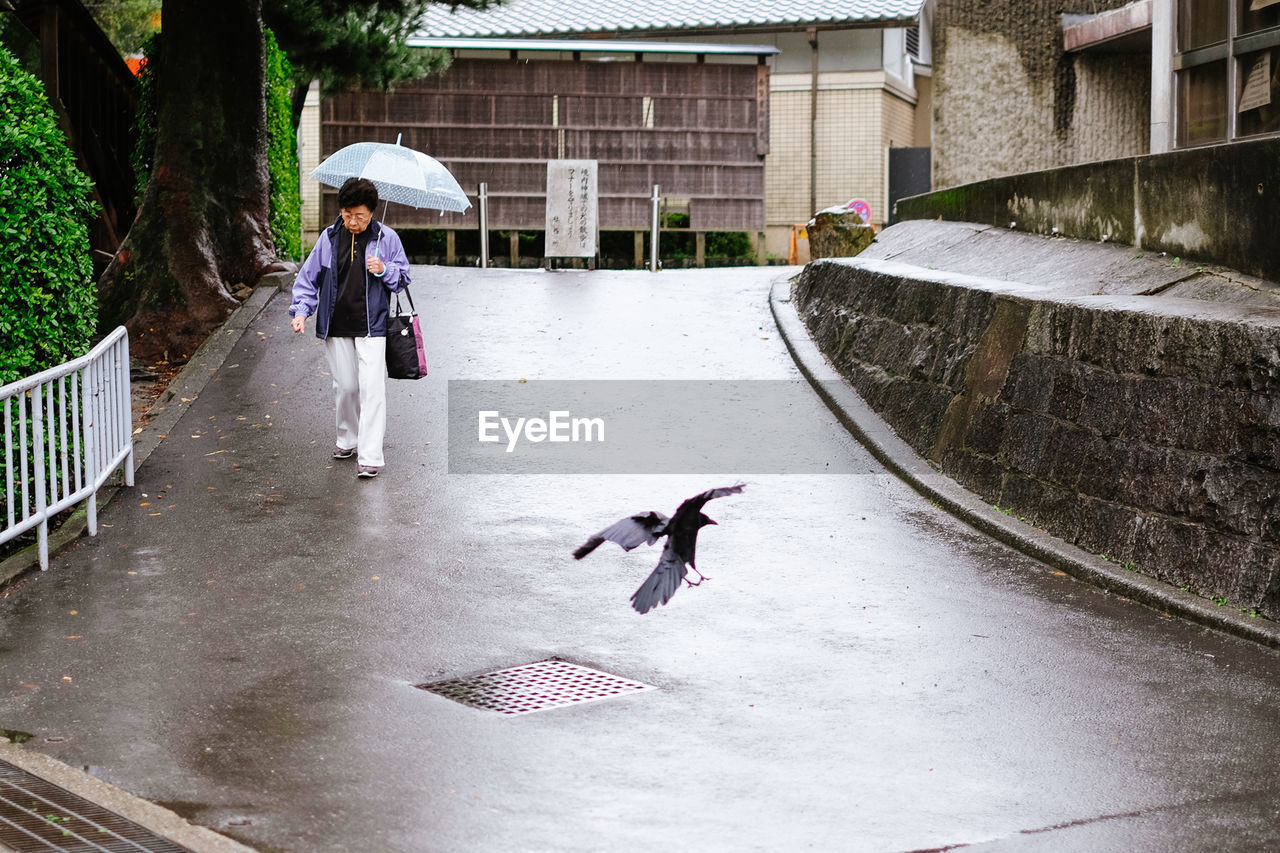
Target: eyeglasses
x,y
354,216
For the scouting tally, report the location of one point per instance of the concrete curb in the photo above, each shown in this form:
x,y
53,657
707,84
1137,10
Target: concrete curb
x,y
175,401
900,458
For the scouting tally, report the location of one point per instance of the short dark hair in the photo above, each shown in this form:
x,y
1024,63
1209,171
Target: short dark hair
x,y
357,191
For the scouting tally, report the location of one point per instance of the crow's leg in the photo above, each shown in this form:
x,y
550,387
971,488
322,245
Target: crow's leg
x,y
701,577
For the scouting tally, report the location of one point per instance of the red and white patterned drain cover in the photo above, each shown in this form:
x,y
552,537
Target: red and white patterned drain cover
x,y
535,687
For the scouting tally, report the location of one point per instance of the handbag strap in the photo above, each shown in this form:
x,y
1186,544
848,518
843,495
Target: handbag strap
x,y
408,296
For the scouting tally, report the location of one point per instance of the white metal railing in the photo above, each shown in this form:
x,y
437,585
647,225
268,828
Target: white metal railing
x,y
66,430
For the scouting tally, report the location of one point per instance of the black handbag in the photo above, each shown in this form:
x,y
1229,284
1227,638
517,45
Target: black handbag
x,y
406,352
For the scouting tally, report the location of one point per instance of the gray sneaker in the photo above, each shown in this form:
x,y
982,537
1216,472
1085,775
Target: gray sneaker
x,y
366,472
342,453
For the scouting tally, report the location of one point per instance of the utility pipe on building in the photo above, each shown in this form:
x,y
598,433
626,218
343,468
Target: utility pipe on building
x,y
813,121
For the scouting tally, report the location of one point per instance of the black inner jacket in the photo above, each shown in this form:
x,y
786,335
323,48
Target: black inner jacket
x,y
351,313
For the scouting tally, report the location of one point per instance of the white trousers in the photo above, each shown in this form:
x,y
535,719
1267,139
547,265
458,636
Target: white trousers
x,y
359,370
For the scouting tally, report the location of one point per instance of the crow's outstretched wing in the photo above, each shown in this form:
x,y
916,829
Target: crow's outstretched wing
x,y
630,532
693,505
662,583
711,494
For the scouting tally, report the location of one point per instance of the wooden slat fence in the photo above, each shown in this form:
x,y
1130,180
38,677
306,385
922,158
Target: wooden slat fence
x,y
700,130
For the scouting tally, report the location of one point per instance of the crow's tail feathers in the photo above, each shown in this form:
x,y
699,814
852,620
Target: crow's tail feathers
x,y
661,584
587,547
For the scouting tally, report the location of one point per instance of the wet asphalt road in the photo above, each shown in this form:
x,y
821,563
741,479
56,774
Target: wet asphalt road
x,y
862,672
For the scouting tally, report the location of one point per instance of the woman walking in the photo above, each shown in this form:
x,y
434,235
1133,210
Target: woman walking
x,y
345,282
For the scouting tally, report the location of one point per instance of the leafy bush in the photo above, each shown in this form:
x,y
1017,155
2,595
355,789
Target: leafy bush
x,y
730,244
282,155
48,299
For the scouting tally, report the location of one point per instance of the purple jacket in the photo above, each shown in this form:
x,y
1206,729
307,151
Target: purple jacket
x,y
315,290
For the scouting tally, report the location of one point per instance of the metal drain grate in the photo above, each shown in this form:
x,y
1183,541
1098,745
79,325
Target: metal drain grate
x,y
37,815
535,687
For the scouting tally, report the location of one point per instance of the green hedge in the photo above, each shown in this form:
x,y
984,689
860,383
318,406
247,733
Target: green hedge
x,y
282,155
48,299
282,142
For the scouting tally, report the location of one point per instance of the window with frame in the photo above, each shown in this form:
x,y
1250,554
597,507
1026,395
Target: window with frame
x,y
1227,70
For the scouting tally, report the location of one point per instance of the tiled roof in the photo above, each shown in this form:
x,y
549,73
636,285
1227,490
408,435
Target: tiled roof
x,y
561,17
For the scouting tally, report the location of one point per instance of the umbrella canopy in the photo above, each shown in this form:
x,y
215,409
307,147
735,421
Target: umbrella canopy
x,y
401,175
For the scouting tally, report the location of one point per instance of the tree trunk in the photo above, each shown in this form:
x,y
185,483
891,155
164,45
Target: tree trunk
x,y
203,226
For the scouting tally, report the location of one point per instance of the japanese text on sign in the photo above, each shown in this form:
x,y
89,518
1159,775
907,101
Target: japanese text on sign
x,y
572,209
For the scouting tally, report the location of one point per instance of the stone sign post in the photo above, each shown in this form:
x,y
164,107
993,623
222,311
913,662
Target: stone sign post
x,y
573,210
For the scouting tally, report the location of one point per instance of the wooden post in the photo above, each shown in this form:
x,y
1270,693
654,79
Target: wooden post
x,y
655,241
484,225
49,49
514,241
639,250
450,247
700,249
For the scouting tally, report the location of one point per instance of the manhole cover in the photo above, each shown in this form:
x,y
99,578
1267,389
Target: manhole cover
x,y
36,814
535,687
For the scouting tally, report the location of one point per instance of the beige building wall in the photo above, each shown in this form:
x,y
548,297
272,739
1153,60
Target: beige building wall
x,y
850,159
860,114
786,167
899,122
308,159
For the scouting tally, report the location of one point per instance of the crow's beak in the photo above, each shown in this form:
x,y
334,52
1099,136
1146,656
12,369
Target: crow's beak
x,y
713,521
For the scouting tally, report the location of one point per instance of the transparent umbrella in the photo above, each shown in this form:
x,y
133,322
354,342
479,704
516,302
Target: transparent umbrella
x,y
401,174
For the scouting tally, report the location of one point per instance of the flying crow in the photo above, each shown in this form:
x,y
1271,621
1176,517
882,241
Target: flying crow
x,y
681,531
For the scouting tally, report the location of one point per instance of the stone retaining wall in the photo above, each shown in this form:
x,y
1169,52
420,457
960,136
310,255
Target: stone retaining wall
x,y
1145,430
